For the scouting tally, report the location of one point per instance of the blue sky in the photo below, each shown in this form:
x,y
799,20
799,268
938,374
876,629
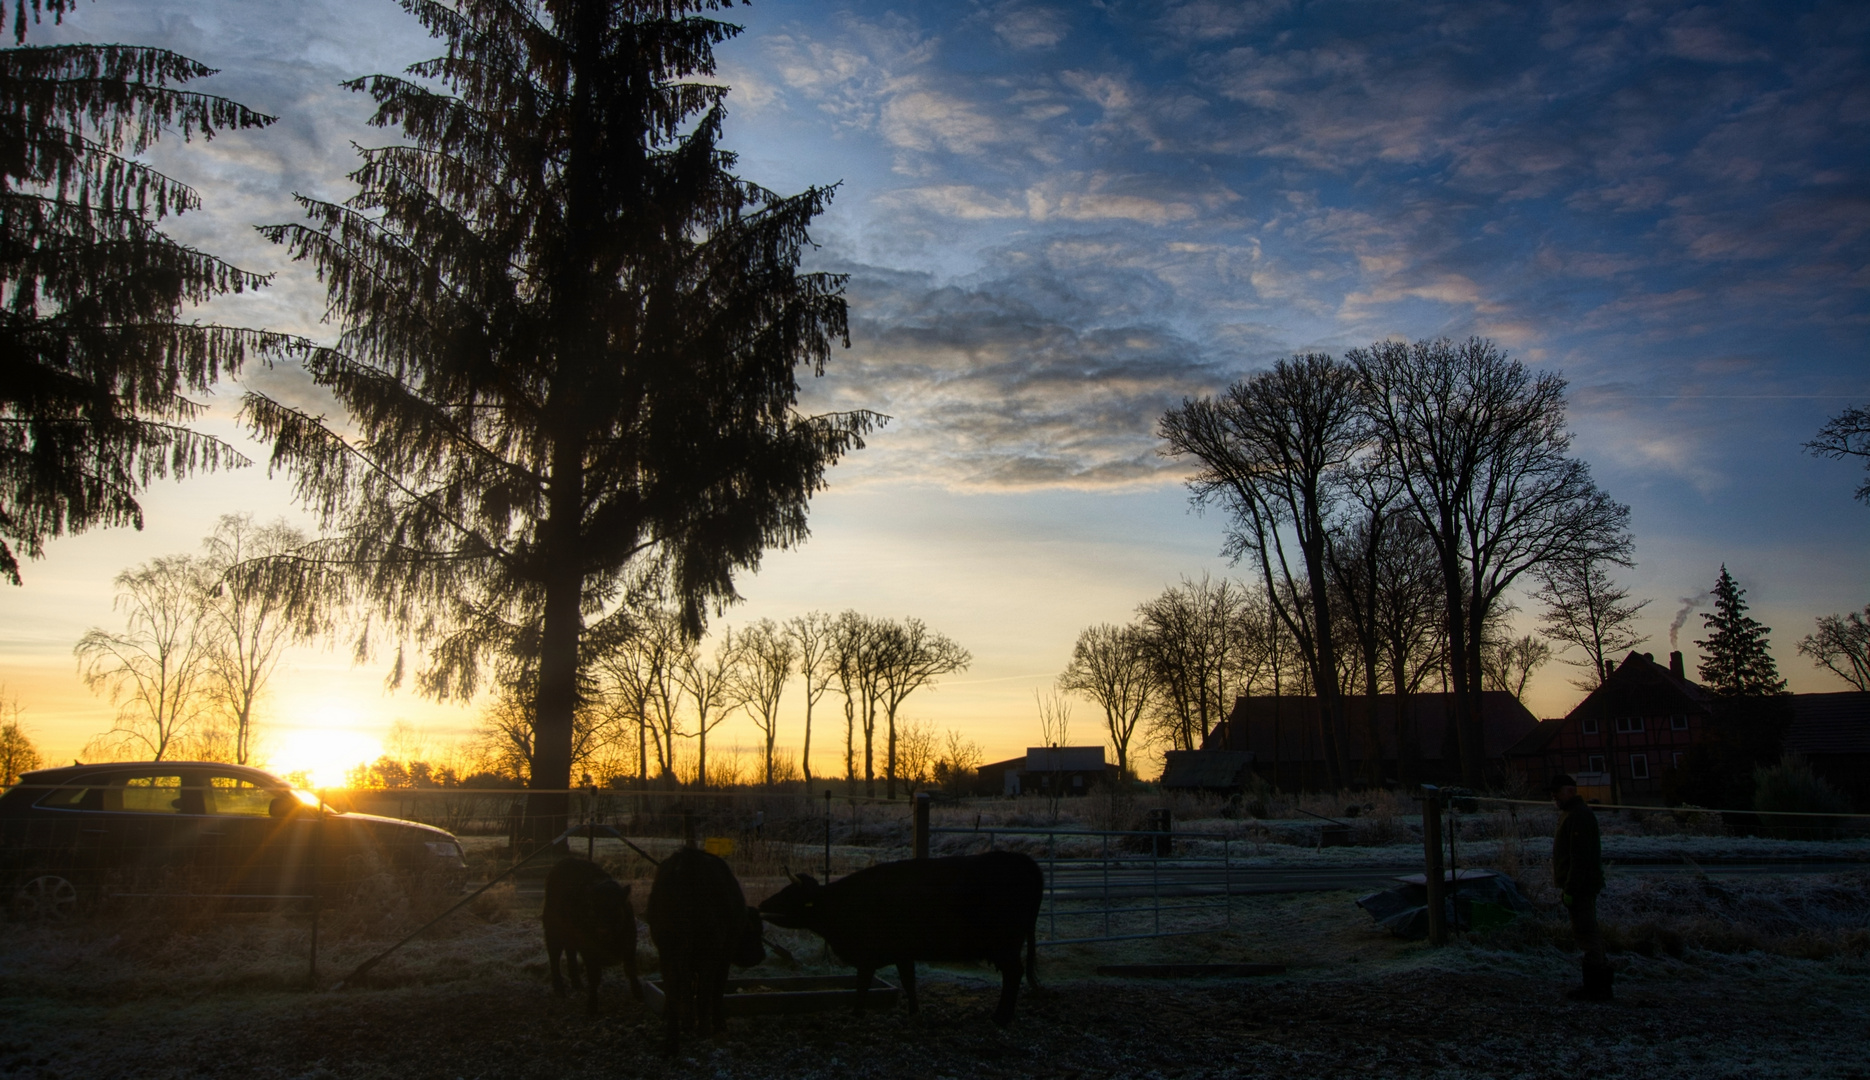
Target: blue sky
x,y
1061,219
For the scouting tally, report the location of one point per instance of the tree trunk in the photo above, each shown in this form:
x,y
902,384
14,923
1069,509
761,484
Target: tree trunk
x,y
548,806
1462,714
889,765
805,755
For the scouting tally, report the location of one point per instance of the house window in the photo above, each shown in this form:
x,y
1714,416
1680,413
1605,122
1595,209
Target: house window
x,y
1629,725
1678,722
1595,763
1639,766
1678,759
1589,725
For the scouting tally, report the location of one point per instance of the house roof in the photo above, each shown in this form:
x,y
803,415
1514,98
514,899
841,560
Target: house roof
x,y
1830,723
1537,739
1285,728
1641,687
1064,758
1206,769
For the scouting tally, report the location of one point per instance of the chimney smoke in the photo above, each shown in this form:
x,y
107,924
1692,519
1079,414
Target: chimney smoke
x,y
1689,603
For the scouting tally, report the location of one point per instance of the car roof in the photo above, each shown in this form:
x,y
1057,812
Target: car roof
x,y
70,772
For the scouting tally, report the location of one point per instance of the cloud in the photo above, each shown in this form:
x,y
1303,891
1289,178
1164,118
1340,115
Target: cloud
x,y
993,385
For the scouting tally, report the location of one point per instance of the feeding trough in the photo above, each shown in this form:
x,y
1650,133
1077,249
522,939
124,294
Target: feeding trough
x,y
788,995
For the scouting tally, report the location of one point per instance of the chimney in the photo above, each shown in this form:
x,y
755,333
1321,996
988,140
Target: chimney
x,y
1675,666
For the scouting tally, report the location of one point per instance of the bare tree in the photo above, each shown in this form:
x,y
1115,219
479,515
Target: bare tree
x,y
1509,662
1585,608
1842,645
1272,448
1356,562
1846,435
812,634
1054,718
1480,448
1110,665
246,622
634,658
155,669
17,752
960,756
909,657
856,641
1409,616
916,753
1192,635
762,663
705,680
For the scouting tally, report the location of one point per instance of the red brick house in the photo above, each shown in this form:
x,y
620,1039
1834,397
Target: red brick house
x,y
1624,736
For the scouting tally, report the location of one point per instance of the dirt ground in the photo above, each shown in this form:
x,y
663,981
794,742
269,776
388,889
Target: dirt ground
x,y
227,1000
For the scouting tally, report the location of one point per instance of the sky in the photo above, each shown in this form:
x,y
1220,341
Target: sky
x,y
1060,220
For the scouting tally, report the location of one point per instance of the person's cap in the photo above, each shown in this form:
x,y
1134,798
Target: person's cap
x,y
1562,780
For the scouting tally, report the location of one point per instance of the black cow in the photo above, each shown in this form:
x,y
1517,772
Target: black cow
x,y
700,922
588,913
973,907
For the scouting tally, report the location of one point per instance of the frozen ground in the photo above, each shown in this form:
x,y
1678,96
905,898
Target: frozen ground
x,y
1762,978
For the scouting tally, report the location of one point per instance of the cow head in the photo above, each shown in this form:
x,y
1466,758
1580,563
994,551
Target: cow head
x,y
793,907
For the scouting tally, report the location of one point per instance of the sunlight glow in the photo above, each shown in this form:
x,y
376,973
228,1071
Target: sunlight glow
x,y
324,754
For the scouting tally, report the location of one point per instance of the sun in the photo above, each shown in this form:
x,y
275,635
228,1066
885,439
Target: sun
x,y
324,754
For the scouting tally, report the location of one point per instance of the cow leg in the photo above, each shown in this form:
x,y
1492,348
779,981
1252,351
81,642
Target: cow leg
x,y
1010,972
572,968
552,950
864,977
594,972
629,968
678,999
906,971
717,997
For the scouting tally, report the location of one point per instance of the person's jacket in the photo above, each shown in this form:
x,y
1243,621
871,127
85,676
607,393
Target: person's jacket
x,y
1577,856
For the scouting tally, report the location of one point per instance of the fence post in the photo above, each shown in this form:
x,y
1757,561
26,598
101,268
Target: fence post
x,y
922,825
688,827
318,854
1431,845
827,835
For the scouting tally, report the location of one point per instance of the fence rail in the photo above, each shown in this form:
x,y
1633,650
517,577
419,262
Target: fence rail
x,y
1143,865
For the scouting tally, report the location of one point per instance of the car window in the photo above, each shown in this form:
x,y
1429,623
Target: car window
x,y
80,797
156,794
234,795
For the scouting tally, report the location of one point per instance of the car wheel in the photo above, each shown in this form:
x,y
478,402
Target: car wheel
x,y
44,896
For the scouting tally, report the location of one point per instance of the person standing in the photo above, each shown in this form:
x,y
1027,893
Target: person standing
x,y
1578,871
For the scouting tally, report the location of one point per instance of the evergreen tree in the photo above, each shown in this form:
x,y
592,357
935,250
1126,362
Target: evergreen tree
x,y
569,350
97,364
1735,662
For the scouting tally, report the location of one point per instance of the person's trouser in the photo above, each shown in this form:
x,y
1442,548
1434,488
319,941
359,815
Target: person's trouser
x,y
1583,911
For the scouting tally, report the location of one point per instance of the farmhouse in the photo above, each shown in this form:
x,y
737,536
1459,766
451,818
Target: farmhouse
x,y
1047,770
1624,735
1283,733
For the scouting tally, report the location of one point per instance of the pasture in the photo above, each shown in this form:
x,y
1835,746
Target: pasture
x,y
1714,977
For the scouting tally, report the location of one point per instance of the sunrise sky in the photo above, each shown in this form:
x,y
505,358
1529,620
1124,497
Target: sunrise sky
x,y
1059,220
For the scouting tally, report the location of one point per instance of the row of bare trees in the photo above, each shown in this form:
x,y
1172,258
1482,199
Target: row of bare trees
x,y
1385,504
202,636
654,689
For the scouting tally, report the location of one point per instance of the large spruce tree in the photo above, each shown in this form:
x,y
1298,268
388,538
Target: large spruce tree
x,y
1750,715
568,351
95,361
1735,662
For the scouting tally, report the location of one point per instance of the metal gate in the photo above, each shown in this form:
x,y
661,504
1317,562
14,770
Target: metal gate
x,y
1108,885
